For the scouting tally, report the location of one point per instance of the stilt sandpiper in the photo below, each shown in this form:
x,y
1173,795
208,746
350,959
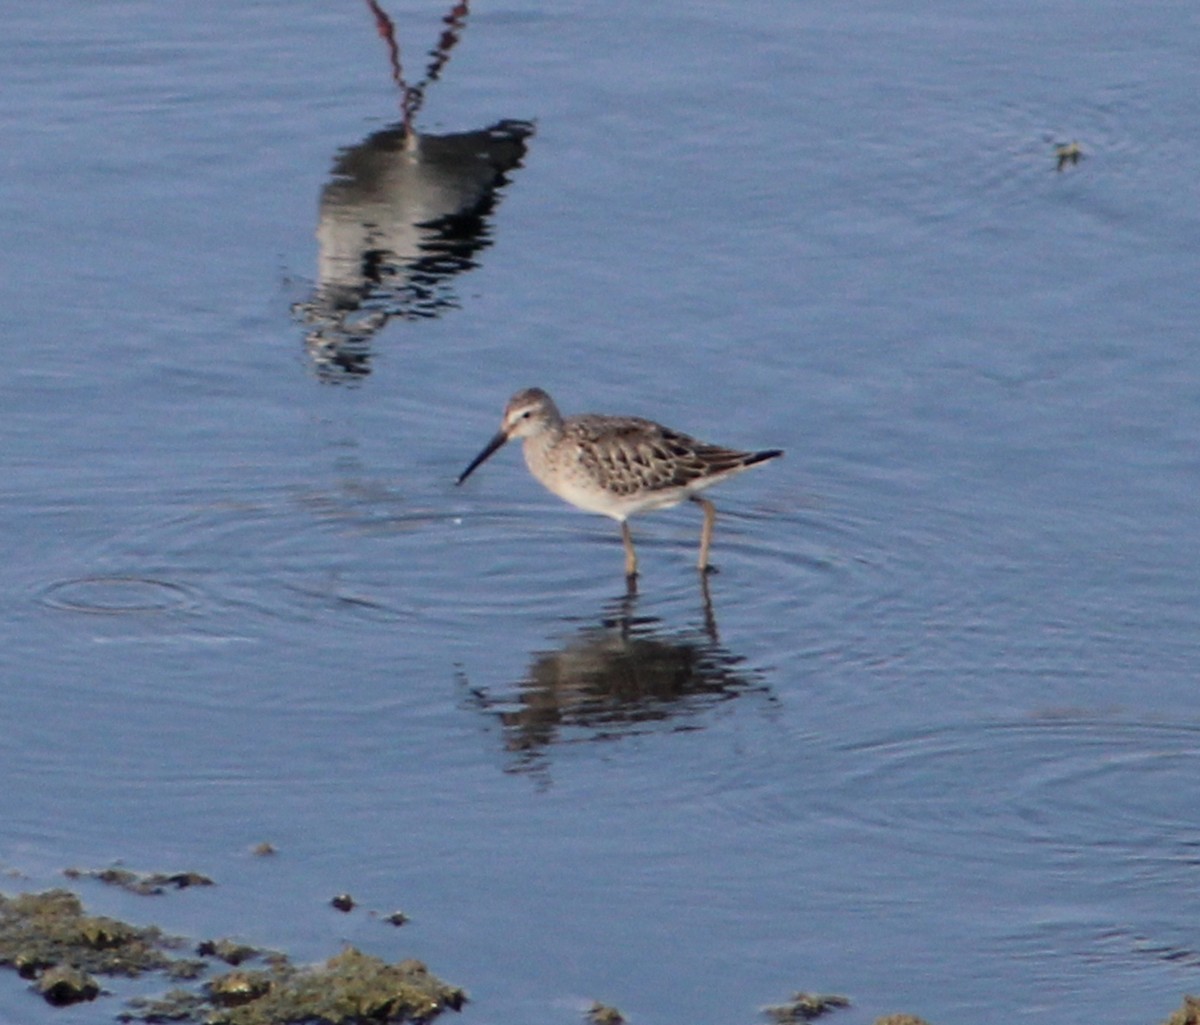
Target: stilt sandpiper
x,y
616,465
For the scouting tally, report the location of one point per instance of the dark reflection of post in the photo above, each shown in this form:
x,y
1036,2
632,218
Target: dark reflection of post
x,y
403,213
624,675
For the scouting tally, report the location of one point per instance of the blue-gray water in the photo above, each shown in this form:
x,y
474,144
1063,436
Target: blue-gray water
x,y
938,744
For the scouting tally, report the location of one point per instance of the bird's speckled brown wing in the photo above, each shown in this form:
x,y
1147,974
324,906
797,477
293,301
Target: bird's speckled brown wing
x,y
629,456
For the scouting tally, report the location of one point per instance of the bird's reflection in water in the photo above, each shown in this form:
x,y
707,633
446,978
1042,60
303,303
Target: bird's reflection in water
x,y
625,675
403,213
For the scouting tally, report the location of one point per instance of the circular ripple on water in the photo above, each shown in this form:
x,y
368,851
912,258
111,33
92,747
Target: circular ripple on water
x,y
981,790
116,595
994,790
837,582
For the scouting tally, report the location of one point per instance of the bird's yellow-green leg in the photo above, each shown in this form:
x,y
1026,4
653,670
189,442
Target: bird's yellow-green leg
x,y
630,554
710,517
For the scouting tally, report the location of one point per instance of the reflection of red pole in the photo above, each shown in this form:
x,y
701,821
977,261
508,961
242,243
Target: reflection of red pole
x,y
387,32
440,54
454,22
413,96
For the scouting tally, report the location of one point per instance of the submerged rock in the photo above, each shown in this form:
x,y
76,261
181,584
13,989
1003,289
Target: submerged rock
x,y
147,884
182,1005
229,951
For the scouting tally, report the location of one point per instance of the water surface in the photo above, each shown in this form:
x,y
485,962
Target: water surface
x,y
932,740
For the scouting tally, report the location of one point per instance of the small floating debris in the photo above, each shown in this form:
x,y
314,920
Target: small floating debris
x,y
900,1019
1068,154
343,902
396,918
804,1007
263,850
150,884
603,1014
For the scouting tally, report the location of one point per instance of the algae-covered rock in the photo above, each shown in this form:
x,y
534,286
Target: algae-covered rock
x,y
40,930
352,987
603,1014
63,985
48,937
233,989
1188,1014
804,1007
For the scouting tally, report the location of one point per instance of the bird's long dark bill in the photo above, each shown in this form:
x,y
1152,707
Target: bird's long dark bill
x,y
492,445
